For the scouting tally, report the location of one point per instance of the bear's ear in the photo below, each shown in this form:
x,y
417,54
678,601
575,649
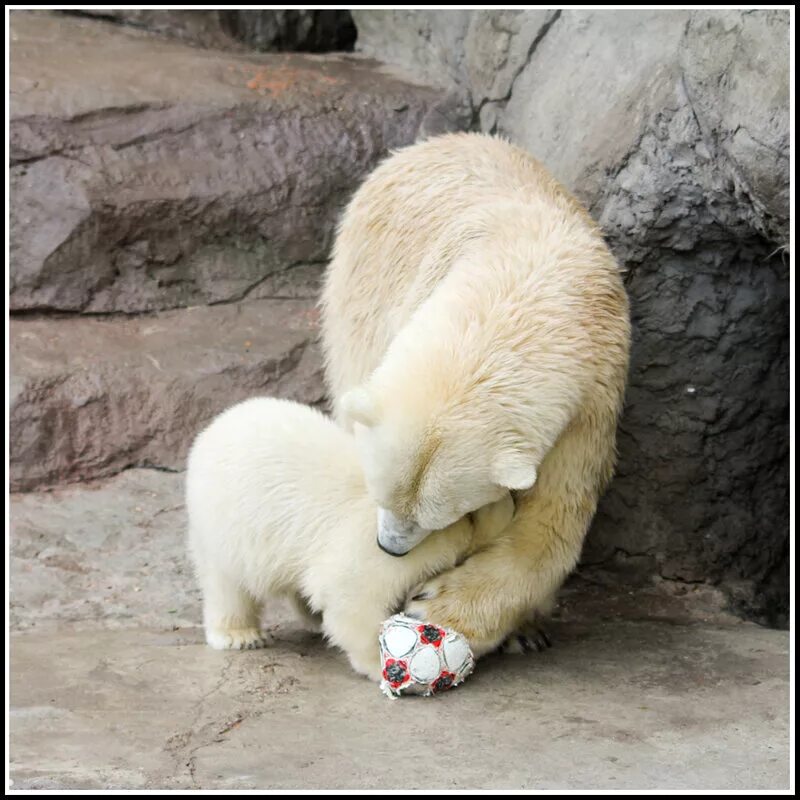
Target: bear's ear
x,y
359,406
514,470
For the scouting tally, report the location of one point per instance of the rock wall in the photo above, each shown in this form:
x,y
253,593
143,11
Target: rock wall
x,y
129,196
172,208
673,128
173,200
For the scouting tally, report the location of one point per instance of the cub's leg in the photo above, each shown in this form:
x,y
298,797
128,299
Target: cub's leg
x,y
352,620
354,629
230,614
353,616
311,620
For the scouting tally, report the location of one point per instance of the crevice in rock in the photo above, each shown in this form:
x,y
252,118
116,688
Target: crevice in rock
x,y
318,31
475,124
545,29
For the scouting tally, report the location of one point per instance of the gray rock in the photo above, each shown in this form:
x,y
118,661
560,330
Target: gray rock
x,y
103,555
497,46
203,28
737,81
428,44
584,95
702,486
90,397
147,174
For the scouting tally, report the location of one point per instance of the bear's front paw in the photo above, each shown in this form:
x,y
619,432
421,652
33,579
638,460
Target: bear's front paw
x,y
428,603
237,639
443,601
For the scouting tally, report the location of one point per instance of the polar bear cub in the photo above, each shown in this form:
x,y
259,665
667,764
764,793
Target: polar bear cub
x,y
278,505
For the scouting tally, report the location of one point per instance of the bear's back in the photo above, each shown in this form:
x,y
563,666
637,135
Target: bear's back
x,y
406,225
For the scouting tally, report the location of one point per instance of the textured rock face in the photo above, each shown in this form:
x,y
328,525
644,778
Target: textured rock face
x,y
203,28
673,128
737,84
103,554
428,43
191,181
90,397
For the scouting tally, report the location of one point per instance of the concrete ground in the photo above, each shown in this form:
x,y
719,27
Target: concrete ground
x,y
112,686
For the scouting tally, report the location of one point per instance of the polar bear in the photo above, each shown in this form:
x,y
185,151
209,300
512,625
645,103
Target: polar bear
x,y
277,506
476,336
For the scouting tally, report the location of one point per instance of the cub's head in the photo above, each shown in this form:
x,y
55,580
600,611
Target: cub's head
x,y
428,459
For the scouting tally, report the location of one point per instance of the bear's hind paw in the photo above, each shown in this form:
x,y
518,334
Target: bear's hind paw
x,y
532,638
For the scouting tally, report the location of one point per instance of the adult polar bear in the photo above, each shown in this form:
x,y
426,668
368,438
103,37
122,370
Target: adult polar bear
x,y
476,333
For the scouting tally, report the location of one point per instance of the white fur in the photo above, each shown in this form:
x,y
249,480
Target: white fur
x,y
277,506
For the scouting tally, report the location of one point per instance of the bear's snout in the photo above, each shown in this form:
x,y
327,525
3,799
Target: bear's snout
x,y
398,536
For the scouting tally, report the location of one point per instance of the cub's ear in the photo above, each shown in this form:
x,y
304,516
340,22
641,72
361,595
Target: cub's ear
x,y
514,470
358,405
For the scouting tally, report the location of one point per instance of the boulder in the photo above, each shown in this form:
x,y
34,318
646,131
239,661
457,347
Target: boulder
x,y
90,397
202,28
147,174
696,211
428,44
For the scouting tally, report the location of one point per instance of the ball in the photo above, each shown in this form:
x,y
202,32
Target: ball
x,y
421,658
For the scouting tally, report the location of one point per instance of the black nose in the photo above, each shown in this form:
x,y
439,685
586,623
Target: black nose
x,y
396,555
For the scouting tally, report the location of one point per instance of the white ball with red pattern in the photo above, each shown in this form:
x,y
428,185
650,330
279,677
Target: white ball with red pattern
x,y
421,658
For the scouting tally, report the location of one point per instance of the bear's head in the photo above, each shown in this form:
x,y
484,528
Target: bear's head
x,y
431,456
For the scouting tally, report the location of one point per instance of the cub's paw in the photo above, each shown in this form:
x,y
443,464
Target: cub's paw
x,y
237,639
369,667
530,638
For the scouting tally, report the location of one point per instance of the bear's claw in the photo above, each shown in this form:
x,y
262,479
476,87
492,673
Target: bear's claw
x,y
530,639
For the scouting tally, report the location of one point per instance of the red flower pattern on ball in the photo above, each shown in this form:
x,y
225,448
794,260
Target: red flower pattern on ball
x,y
396,672
431,634
444,681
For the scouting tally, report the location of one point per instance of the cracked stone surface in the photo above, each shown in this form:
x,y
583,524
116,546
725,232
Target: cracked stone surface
x,y
672,126
112,686
148,174
92,396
